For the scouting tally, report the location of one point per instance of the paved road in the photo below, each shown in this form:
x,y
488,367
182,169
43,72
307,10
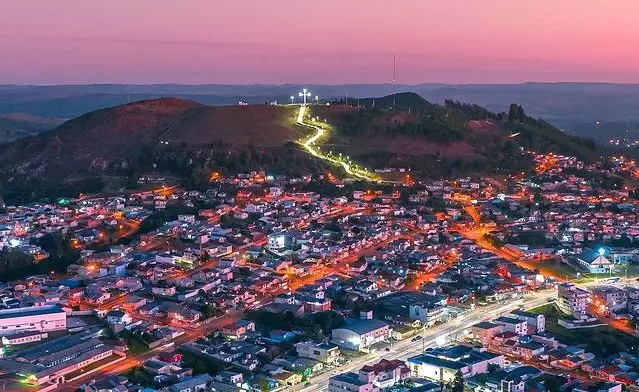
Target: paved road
x,y
430,337
309,146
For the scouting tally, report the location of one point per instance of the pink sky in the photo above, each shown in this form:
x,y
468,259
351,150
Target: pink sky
x,y
323,41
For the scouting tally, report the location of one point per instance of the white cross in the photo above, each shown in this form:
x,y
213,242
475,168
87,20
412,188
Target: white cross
x,y
305,93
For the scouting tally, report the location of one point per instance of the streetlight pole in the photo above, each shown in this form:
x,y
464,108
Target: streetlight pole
x,y
305,93
292,99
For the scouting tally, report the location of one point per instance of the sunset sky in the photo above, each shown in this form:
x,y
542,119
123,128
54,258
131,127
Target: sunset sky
x,y
326,41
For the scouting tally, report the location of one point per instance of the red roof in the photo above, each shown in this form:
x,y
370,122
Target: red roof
x,y
383,366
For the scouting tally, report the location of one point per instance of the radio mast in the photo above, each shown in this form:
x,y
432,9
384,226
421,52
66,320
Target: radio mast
x,y
394,76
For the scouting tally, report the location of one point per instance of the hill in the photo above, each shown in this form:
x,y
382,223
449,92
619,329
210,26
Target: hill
x,y
188,139
14,126
167,135
441,139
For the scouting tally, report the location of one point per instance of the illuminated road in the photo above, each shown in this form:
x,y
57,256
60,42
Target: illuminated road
x,y
309,146
407,348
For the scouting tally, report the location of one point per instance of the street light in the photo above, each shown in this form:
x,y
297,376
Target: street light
x,y
305,93
292,99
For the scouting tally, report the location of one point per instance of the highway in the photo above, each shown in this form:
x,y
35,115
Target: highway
x,y
430,337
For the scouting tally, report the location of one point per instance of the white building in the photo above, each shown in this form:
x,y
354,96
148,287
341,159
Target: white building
x,y
442,364
323,352
536,322
428,314
511,324
595,262
361,334
40,319
572,300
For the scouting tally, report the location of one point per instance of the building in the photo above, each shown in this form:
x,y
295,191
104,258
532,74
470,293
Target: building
x,y
350,382
193,384
572,300
385,373
442,364
428,309
485,331
536,322
595,262
360,335
610,299
511,324
323,352
40,319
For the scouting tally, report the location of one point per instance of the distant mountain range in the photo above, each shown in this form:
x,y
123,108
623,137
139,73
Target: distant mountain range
x,y
189,139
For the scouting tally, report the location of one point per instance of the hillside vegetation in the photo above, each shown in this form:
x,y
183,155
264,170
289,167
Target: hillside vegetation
x,y
441,139
14,126
189,140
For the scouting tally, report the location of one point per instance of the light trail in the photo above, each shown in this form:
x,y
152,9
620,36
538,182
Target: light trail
x,y
309,146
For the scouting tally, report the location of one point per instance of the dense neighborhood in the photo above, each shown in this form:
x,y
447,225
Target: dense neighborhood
x,y
266,283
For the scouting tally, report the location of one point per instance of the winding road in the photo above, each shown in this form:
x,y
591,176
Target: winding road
x,y
319,132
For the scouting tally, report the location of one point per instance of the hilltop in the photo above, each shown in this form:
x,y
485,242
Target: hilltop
x,y
165,135
189,139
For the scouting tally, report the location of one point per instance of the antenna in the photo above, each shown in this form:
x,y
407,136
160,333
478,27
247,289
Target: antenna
x,y
394,74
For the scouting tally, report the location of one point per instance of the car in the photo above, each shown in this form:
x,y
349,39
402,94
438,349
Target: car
x,y
416,338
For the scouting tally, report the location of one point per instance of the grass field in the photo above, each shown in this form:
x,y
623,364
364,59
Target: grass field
x,y
601,341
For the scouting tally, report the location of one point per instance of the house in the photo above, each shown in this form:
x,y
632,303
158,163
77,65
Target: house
x,y
520,327
485,331
536,322
118,317
599,387
287,378
228,377
193,384
385,373
323,352
239,329
350,382
531,349
360,335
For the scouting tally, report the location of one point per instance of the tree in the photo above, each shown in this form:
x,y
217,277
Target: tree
x,y
458,383
538,197
552,384
15,259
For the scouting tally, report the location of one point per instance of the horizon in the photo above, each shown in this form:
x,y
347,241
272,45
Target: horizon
x,y
232,42
297,85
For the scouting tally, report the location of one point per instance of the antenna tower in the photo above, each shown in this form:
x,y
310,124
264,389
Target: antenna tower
x,y
394,76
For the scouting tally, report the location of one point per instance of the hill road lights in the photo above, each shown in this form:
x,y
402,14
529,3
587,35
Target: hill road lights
x,y
305,93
